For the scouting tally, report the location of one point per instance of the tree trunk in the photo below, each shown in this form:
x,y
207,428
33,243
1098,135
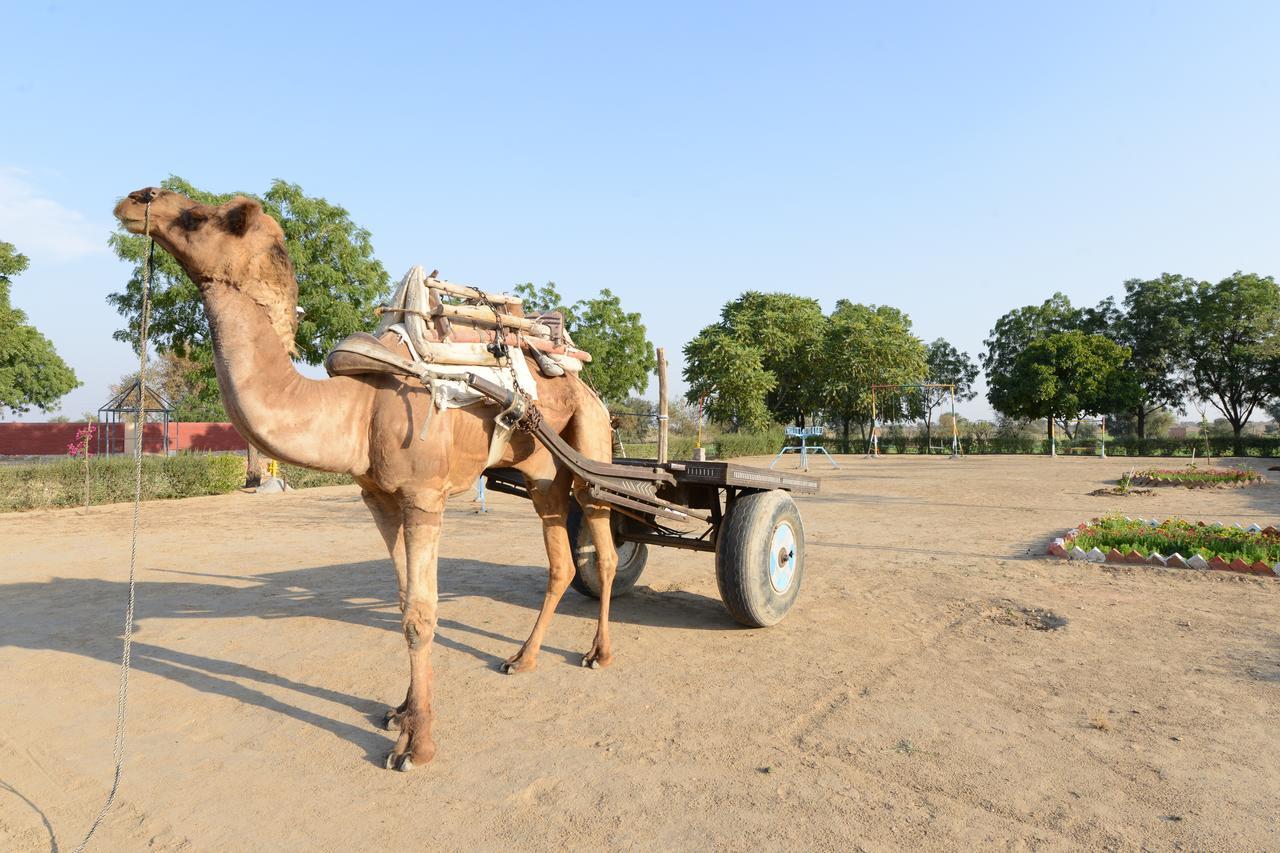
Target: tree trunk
x,y
253,469
1237,446
928,437
844,444
1142,422
1053,448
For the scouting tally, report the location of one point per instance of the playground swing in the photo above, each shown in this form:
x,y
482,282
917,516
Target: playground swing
x,y
873,441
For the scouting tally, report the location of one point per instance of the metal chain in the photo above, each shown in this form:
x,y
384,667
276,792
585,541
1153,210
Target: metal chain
x,y
502,352
122,690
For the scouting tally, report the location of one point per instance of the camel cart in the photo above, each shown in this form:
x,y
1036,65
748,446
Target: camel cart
x,y
744,515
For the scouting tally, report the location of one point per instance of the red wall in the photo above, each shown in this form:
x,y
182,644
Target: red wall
x,y
32,439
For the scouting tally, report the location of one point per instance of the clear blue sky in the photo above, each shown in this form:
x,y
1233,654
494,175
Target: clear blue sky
x,y
955,160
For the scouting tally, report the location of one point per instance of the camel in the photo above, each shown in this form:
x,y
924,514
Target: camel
x,y
369,427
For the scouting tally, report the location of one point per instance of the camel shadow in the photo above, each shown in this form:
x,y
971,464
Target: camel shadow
x,y
359,594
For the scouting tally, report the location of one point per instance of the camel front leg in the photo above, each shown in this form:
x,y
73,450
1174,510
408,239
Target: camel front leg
x,y
389,517
596,517
551,501
422,516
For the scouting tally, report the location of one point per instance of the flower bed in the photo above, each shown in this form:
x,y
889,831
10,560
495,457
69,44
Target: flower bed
x,y
1173,543
1195,478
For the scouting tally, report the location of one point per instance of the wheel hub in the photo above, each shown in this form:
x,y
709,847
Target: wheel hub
x,y
782,557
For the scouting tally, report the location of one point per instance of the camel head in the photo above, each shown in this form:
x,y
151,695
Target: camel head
x,y
234,244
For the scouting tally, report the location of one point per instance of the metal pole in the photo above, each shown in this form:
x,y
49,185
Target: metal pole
x,y
662,406
871,433
955,436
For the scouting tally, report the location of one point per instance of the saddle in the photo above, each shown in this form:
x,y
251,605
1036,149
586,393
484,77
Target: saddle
x,y
455,333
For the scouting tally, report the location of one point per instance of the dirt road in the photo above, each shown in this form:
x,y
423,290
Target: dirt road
x,y
910,700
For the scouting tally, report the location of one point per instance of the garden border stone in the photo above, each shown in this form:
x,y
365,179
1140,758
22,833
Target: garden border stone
x,y
1062,547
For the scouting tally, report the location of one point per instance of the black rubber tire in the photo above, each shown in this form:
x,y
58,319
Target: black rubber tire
x,y
743,563
632,557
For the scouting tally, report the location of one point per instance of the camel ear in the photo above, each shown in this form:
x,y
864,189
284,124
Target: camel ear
x,y
240,216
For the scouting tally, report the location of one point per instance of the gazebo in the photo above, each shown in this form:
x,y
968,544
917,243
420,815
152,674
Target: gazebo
x,y
123,409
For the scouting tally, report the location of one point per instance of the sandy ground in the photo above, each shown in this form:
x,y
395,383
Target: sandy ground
x,y
909,700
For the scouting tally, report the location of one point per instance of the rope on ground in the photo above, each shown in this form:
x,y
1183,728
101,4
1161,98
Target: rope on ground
x,y
122,691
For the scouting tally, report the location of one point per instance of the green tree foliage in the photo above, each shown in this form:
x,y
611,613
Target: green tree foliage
x,y
1234,337
1063,376
868,345
788,332
622,355
726,373
1018,329
339,280
31,371
1154,326
946,366
542,300
781,378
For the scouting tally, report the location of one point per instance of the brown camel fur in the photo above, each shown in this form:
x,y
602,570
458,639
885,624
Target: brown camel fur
x,y
369,427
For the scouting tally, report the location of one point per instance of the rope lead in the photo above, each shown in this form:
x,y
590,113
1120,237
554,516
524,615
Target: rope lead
x,y
122,691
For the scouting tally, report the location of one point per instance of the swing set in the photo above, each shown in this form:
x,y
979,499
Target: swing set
x,y
873,443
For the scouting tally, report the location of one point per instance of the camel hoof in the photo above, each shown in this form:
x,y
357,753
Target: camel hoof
x,y
406,764
390,762
590,662
512,667
391,722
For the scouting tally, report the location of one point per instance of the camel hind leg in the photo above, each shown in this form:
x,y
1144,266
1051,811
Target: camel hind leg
x,y
591,434
596,518
551,500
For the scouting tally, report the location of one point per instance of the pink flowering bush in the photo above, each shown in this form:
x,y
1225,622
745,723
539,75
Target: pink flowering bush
x,y
84,436
80,448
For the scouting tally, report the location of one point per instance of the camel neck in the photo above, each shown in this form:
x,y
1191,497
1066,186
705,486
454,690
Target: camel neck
x,y
316,423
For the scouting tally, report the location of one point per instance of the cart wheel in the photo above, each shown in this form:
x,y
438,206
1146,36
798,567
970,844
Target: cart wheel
x,y
760,558
586,579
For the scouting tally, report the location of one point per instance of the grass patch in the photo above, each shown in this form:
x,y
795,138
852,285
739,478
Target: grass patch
x,y
1194,477
1182,537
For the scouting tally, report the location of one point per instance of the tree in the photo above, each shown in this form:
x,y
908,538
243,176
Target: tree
x,y
339,281
193,395
1063,376
779,381
946,366
1273,409
622,355
1015,330
867,345
1154,328
31,371
1019,328
542,300
727,375
1234,338
787,330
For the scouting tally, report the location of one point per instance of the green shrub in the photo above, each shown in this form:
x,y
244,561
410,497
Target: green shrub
x,y
61,483
1193,476
678,447
733,444
308,478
